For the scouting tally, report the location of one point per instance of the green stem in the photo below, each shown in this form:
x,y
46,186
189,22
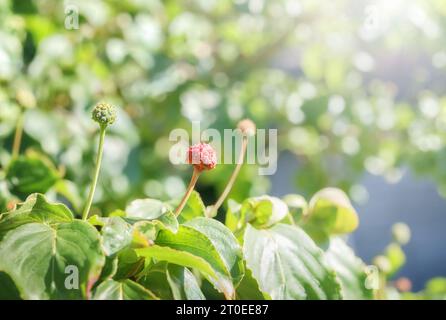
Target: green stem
x,y
96,173
189,190
18,136
217,205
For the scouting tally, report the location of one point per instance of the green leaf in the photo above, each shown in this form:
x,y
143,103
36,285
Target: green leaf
x,y
206,245
234,221
155,279
147,209
297,207
69,191
36,256
350,269
151,210
183,283
264,211
288,265
109,270
147,217
330,213
194,207
224,242
186,259
129,264
35,209
249,289
8,289
122,290
32,173
116,235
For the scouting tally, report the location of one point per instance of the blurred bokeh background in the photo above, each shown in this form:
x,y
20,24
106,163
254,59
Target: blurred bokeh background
x,y
355,88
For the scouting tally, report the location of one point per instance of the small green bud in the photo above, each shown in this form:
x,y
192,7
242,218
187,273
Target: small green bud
x,y
401,233
104,114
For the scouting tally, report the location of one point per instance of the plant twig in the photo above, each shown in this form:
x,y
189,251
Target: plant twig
x,y
221,199
96,173
18,136
189,190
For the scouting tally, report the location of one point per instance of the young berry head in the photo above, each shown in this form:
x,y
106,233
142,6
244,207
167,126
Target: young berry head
x,y
202,156
247,127
104,114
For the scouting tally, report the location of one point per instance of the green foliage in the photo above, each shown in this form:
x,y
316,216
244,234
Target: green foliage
x,y
330,213
140,254
122,290
170,281
36,255
350,269
167,63
204,244
35,209
31,173
194,208
264,211
116,235
288,264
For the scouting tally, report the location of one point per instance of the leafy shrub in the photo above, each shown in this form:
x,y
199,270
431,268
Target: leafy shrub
x,y
268,248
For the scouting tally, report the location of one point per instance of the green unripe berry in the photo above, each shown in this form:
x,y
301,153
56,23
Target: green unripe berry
x,y
401,233
104,114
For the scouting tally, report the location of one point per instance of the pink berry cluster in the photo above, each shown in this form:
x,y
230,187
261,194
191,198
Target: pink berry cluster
x,y
202,156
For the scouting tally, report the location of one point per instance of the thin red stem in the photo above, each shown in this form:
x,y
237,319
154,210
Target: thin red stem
x,y
217,205
189,190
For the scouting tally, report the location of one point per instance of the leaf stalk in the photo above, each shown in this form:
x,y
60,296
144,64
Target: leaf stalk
x,y
96,172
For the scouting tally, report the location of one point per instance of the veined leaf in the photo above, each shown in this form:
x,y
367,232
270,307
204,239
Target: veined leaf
x,y
35,209
249,288
172,282
224,242
155,279
40,259
183,284
206,245
129,264
350,270
186,259
122,290
144,218
153,211
288,265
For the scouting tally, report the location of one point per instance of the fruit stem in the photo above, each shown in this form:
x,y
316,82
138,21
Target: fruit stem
x,y
217,205
18,135
96,173
189,190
